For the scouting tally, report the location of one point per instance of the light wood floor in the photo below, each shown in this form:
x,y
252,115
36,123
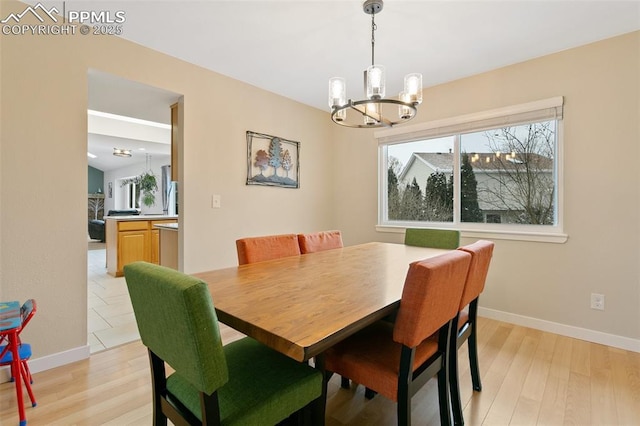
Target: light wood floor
x,y
529,377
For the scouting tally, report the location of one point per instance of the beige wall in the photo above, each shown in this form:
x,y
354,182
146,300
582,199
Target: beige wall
x,y
43,171
43,196
552,282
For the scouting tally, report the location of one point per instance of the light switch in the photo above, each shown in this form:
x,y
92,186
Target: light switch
x,y
215,201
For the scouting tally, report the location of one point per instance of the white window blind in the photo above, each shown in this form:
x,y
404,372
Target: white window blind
x,y
546,109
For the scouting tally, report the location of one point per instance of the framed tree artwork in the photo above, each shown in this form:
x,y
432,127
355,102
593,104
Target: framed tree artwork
x,y
272,161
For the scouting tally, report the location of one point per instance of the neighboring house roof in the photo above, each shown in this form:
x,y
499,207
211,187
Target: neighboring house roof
x,y
505,161
437,161
443,162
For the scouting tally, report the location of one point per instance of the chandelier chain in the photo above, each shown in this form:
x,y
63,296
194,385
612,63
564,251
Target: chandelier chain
x,y
374,27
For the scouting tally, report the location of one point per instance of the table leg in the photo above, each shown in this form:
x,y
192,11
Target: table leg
x,y
319,409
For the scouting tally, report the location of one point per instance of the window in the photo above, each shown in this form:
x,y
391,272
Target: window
x,y
494,171
131,195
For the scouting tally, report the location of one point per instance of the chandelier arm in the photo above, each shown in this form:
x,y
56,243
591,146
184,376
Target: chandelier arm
x,y
362,109
360,106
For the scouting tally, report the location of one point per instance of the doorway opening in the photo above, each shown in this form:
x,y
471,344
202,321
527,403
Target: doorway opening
x,y
129,133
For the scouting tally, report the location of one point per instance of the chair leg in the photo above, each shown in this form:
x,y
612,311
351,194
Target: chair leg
x,y
158,386
443,396
404,411
26,378
454,385
25,366
13,374
473,359
344,382
404,393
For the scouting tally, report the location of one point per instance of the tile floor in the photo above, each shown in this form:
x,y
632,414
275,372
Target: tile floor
x,y
110,315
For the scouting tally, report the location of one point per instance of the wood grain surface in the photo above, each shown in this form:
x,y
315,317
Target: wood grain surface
x,y
301,305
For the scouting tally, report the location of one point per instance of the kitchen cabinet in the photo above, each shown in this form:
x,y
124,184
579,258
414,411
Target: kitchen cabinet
x,y
131,239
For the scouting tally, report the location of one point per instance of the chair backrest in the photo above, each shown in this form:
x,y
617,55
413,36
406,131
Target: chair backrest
x,y
481,252
319,241
259,249
431,296
435,238
27,311
178,323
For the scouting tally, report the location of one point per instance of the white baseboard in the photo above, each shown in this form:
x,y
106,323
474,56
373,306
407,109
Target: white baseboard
x,y
593,336
83,352
52,361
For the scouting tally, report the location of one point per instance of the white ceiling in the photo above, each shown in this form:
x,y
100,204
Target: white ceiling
x,y
121,97
292,48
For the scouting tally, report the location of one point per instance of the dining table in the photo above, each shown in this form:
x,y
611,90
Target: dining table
x,y
302,305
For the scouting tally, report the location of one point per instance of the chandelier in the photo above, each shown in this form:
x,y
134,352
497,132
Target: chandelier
x,y
375,110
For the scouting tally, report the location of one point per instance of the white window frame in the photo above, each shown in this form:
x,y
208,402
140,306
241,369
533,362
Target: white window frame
x,y
546,109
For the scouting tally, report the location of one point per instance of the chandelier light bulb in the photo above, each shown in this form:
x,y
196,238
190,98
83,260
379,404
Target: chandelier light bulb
x,y
372,115
413,87
337,92
375,82
404,112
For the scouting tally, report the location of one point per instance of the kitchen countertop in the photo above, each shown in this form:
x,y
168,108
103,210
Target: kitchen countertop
x,y
142,217
167,226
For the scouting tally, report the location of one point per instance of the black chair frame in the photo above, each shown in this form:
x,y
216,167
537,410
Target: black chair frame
x,y
165,406
410,382
466,332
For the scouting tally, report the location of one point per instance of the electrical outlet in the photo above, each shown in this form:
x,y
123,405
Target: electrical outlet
x,y
597,301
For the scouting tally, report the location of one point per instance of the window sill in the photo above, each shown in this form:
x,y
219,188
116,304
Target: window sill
x,y
539,237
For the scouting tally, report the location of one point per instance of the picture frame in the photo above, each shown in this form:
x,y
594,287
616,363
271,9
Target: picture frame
x,y
110,189
272,161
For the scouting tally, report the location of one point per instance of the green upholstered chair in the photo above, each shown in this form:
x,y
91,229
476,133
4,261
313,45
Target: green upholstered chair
x,y
481,253
396,359
242,383
435,238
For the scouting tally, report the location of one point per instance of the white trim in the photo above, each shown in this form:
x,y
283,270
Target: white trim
x,y
48,362
550,108
128,119
593,336
539,237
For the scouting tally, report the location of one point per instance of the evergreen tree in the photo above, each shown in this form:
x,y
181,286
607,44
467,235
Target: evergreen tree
x,y
393,195
411,207
438,199
469,208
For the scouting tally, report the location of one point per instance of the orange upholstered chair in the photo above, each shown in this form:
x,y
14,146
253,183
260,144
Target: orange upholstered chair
x,y
396,359
259,249
319,241
481,252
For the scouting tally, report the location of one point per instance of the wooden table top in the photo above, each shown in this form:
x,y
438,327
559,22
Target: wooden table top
x,y
302,305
